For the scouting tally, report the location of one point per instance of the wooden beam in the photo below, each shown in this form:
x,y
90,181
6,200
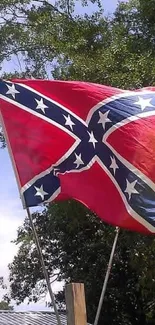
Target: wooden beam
x,y
75,304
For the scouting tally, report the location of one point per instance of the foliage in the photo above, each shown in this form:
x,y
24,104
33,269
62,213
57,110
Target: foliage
x,y
51,40
76,247
5,306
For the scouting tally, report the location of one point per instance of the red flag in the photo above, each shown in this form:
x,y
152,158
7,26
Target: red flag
x,y
85,141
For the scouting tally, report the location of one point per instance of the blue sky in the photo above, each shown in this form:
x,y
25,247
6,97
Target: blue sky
x,y
11,211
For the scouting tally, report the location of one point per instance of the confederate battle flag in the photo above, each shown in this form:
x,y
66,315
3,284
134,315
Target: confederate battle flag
x,y
85,141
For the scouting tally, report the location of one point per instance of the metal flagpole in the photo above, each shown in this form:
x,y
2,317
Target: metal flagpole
x,y
43,266
106,278
33,227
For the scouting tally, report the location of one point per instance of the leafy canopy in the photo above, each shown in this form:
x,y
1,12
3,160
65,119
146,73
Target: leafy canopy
x,y
51,40
5,306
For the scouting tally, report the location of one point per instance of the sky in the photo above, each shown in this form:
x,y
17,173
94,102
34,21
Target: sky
x,y
11,211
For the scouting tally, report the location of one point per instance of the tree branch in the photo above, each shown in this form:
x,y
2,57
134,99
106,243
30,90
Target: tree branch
x,y
54,8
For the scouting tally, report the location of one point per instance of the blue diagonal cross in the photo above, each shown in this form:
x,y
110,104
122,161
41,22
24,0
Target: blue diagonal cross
x,y
142,201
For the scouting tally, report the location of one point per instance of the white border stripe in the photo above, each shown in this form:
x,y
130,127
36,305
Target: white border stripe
x,y
135,170
72,148
95,158
48,170
43,117
52,101
124,93
133,214
54,195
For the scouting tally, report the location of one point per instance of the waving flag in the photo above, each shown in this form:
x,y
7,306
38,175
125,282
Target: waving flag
x,y
85,141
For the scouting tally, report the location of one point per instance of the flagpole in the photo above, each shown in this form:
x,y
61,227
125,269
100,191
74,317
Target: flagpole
x,y
32,226
106,277
43,266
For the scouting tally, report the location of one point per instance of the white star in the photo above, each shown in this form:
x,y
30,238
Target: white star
x,y
143,102
130,188
113,165
41,105
40,192
69,121
78,160
104,119
12,91
92,138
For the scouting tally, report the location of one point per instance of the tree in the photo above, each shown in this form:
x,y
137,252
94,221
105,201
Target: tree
x,y
119,51
76,247
110,50
5,306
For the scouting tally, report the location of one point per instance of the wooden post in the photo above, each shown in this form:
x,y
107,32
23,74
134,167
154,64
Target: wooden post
x,y
75,304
